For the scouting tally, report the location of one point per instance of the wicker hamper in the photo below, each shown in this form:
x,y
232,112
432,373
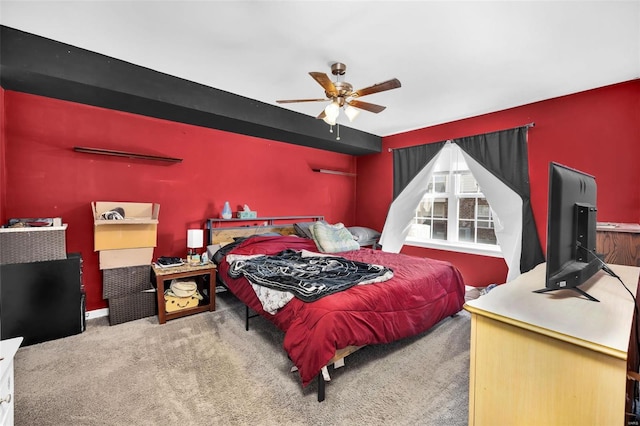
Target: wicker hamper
x,y
26,245
118,282
130,293
132,307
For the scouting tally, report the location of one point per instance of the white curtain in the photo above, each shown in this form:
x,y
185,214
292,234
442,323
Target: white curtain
x,y
403,208
499,162
507,206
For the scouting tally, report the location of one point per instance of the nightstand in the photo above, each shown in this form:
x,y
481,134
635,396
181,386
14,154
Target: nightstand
x,y
205,279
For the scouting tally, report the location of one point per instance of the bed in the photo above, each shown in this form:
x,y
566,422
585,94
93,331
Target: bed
x,y
421,293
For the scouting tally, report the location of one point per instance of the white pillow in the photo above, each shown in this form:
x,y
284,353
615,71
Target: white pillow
x,y
361,233
332,238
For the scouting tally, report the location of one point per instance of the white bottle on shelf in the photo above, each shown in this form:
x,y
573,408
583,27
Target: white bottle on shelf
x,y
226,211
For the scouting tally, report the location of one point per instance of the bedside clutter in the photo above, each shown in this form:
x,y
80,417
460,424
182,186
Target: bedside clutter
x,y
125,234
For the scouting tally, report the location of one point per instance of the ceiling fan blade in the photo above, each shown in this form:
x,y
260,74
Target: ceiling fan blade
x,y
321,115
376,88
290,101
367,106
325,82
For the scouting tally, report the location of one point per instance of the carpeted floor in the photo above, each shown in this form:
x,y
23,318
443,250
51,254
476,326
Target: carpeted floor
x,y
206,369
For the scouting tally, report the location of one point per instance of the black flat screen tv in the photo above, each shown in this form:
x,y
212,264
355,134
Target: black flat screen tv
x,y
571,230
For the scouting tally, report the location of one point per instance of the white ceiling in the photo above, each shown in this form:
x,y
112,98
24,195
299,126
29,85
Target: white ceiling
x,y
455,59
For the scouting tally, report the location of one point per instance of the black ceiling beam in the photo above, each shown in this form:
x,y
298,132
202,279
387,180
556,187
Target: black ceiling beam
x,y
41,66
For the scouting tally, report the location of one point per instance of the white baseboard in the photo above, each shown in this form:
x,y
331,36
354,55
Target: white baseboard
x,y
97,313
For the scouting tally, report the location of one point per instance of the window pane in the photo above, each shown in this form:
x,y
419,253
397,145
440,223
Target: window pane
x,y
439,184
425,207
441,208
487,236
466,231
467,208
452,182
468,184
439,230
484,211
430,186
422,231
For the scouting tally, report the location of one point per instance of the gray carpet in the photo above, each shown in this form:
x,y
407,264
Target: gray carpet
x,y
205,369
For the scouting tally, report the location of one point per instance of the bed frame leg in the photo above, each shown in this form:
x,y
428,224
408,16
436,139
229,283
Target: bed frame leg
x,y
320,387
246,318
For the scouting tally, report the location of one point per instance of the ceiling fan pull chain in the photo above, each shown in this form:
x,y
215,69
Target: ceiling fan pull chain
x,y
338,128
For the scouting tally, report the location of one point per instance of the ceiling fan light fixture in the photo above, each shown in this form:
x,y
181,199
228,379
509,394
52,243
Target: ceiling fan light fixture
x,y
351,113
329,121
342,96
332,110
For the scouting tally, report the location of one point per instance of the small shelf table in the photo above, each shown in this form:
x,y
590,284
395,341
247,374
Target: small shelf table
x,y
185,271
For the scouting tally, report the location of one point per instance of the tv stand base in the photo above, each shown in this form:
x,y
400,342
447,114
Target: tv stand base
x,y
582,292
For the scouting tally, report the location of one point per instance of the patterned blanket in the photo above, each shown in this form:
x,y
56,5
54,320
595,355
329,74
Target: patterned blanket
x,y
308,277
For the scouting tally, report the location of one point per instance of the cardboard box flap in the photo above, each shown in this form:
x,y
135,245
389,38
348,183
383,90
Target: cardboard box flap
x,y
134,213
138,229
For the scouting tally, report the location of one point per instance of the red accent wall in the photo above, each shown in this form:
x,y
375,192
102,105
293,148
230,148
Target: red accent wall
x,y
3,168
596,131
46,178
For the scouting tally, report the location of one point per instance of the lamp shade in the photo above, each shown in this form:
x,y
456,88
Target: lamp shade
x,y
351,112
329,121
332,110
195,238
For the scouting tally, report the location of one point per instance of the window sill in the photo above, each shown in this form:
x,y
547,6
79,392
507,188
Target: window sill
x,y
482,250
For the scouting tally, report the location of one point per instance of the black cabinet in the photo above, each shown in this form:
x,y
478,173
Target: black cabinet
x,y
42,301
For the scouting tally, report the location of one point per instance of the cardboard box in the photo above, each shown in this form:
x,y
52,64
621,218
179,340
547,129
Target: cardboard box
x,y
110,259
246,215
138,229
32,244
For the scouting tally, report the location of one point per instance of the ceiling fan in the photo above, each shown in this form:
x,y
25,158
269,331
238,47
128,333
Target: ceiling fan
x,y
342,95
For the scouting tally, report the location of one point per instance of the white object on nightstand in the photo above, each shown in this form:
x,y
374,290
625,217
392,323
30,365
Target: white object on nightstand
x,y
8,349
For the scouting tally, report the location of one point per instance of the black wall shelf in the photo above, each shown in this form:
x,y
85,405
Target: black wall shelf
x,y
334,172
114,153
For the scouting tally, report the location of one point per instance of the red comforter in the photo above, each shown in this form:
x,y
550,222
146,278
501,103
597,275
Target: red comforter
x,y
422,292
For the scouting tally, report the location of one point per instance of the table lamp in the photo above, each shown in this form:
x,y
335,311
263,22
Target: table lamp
x,y
195,239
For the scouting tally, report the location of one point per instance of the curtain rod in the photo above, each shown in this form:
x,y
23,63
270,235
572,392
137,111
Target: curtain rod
x,y
528,125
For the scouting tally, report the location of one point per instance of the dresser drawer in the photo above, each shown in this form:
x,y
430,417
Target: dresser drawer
x,y
8,350
6,397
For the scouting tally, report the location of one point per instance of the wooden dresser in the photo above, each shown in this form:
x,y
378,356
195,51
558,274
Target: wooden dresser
x,y
619,243
554,358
